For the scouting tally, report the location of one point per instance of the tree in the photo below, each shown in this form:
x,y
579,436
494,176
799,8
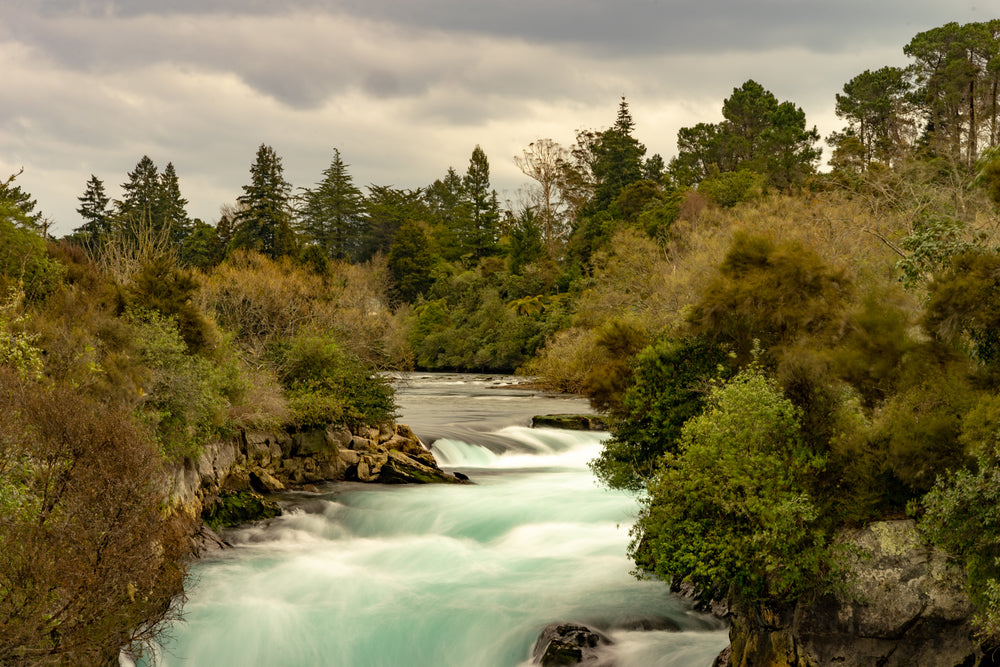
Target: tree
x,y
617,159
446,201
410,262
170,213
876,108
12,194
482,234
386,210
94,210
757,133
543,160
332,212
957,74
731,511
264,220
140,202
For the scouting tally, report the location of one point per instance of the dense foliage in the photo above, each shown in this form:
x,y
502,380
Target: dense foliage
x,y
781,352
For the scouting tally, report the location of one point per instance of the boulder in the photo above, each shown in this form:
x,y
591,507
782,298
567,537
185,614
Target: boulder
x,y
570,644
401,469
903,604
570,422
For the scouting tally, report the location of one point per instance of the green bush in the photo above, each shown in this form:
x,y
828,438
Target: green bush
x,y
962,515
326,384
186,396
669,386
733,187
730,512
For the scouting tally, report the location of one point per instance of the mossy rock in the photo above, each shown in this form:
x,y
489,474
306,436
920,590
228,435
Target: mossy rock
x,y
233,509
569,422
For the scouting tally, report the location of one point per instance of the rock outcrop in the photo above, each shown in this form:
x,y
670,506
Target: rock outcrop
x,y
570,644
903,604
570,422
268,462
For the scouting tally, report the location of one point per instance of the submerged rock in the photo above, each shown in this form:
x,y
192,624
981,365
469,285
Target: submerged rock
x,y
570,644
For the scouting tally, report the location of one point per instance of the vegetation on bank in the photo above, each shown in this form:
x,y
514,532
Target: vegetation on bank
x,y
781,353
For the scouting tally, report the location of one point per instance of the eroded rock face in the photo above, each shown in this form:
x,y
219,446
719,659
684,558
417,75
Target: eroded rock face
x,y
261,463
570,644
904,605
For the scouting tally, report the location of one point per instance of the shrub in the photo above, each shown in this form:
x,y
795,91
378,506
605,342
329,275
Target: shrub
x,y
327,384
89,562
730,512
668,387
733,187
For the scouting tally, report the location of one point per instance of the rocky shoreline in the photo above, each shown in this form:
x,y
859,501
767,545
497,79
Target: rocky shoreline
x,y
228,483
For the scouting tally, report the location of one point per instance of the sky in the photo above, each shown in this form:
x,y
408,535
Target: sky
x,y
404,89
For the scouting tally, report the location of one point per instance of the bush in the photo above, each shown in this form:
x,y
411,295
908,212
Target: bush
x,y
669,386
327,384
730,512
89,562
962,515
733,187
774,293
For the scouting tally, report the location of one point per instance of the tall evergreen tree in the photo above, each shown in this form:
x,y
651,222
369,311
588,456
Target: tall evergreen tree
x,y
95,212
450,209
141,198
876,108
264,219
483,230
170,210
410,262
617,159
758,133
386,209
332,213
11,193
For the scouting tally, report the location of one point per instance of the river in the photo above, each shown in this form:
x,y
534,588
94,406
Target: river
x,y
438,575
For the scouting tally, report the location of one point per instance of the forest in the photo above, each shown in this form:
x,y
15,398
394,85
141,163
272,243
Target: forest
x,y
783,348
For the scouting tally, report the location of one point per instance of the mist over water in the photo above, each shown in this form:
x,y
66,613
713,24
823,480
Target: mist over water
x,y
366,575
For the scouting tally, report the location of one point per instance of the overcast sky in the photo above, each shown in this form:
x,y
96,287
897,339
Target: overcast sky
x,y
404,88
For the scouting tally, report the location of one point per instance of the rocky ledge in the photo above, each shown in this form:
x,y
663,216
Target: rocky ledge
x,y
227,482
903,604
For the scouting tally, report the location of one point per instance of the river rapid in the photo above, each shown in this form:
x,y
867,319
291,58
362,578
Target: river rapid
x,y
438,575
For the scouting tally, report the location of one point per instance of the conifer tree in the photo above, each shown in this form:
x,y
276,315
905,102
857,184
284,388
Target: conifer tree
x,y
140,201
333,212
95,212
449,206
482,232
264,220
617,159
170,210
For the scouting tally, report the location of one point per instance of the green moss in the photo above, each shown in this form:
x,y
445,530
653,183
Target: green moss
x,y
233,509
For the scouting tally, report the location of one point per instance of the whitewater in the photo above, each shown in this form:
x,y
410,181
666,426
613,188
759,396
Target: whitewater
x,y
362,575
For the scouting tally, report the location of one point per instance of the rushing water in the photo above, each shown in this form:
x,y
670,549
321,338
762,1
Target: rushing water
x,y
364,575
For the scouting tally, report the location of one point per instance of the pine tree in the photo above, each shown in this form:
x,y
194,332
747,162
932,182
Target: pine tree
x,y
140,201
13,194
264,220
333,212
617,159
482,233
169,211
94,210
450,208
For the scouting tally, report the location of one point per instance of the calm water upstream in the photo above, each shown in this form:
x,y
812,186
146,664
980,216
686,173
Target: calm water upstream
x,y
364,575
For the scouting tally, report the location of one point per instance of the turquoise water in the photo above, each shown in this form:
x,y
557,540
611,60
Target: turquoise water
x,y
360,575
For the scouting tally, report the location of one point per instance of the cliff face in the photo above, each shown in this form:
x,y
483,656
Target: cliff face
x,y
270,462
902,605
